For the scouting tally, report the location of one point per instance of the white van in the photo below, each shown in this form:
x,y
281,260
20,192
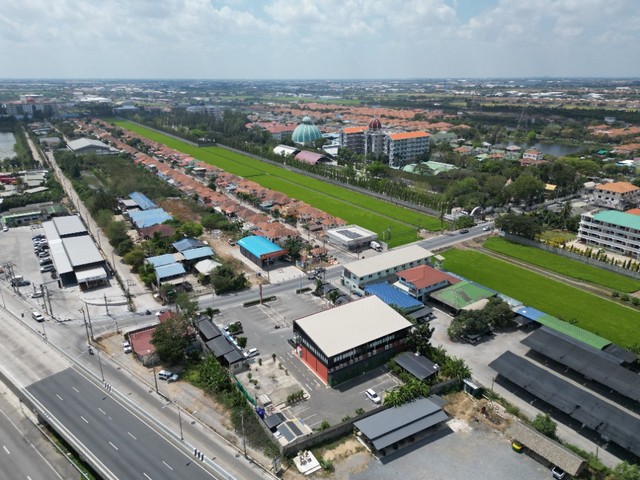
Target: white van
x,y
252,352
37,316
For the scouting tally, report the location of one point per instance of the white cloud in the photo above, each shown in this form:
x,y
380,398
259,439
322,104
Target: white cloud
x,y
319,38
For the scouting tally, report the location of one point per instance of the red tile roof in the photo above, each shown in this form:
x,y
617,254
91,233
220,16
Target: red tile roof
x,y
617,187
423,276
407,135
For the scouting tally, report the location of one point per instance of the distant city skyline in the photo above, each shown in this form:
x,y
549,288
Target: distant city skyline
x,y
319,39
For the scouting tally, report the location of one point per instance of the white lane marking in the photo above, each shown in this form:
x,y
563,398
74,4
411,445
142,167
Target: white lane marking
x,y
113,445
6,449
59,397
132,436
168,466
102,411
85,420
77,391
146,475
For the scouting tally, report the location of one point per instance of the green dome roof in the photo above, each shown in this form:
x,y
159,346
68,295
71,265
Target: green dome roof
x,y
306,132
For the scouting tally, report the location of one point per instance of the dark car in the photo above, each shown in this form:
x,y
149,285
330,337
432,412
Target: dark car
x,y
464,230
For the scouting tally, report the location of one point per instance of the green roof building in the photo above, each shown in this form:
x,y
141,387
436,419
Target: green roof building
x,y
612,230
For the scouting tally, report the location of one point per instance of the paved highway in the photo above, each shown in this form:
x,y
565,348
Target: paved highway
x,y
127,446
19,457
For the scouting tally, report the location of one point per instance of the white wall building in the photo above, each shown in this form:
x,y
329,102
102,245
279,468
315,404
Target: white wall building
x,y
356,275
611,230
402,148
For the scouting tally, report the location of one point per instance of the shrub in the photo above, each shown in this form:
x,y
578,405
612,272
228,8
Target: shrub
x,y
545,425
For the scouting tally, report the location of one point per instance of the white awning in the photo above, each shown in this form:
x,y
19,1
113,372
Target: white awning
x,y
91,275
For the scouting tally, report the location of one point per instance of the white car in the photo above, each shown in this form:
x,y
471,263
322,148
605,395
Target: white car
x,y
126,346
252,352
558,473
373,396
37,294
486,229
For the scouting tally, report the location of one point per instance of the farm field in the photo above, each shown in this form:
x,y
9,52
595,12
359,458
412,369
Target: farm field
x,y
366,211
603,317
562,265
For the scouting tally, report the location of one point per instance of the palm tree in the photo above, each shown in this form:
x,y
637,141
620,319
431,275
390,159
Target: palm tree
x,y
565,213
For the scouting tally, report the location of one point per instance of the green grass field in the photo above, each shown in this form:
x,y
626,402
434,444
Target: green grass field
x,y
562,265
603,317
363,210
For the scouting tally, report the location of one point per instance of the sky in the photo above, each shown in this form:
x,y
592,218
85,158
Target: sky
x,y
319,39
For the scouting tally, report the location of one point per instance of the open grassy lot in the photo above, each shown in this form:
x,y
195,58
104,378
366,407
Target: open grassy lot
x,y
557,234
610,320
370,213
562,265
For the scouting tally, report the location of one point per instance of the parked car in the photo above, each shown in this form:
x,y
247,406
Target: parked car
x,y
164,374
126,346
173,378
252,352
373,396
47,268
558,473
5,229
37,294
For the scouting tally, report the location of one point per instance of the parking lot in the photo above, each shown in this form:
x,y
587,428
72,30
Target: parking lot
x,y
17,248
322,402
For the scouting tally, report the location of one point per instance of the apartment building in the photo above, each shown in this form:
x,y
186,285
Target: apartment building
x,y
403,148
611,230
616,195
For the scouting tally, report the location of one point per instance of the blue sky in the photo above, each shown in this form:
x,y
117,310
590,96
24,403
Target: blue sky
x,y
319,39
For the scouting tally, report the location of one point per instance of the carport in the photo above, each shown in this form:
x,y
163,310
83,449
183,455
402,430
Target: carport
x,y
420,367
546,449
394,427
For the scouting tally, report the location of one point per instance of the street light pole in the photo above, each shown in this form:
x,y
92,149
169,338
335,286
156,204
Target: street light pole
x,y
180,421
100,363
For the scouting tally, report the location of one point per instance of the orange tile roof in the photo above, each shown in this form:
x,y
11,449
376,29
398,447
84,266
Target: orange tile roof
x,y
423,276
617,187
354,129
633,211
407,135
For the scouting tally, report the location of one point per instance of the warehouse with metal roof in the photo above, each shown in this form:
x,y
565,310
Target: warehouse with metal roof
x,y
346,341
74,254
392,428
356,275
260,250
351,237
142,201
148,218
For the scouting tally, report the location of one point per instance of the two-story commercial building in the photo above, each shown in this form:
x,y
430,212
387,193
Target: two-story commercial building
x,y
346,341
356,275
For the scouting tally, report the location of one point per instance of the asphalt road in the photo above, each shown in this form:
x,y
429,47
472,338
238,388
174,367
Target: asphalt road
x,y
19,457
120,440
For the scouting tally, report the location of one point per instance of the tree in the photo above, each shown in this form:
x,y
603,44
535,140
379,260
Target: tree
x,y
171,339
117,233
376,169
242,341
419,340
526,188
545,425
625,471
497,313
187,306
526,226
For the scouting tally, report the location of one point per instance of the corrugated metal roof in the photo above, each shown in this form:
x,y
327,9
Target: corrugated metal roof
x,y
69,225
394,424
621,219
160,260
392,296
82,143
171,270
142,200
462,294
417,365
187,243
81,251
342,328
148,218
571,330
194,253
258,246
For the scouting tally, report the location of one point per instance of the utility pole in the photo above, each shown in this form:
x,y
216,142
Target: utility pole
x,y
86,327
106,305
44,296
90,326
48,297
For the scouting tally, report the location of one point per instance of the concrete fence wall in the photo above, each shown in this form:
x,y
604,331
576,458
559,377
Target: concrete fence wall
x,y
573,256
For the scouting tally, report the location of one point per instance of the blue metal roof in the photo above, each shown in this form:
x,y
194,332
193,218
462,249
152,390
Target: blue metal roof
x,y
171,270
160,260
148,218
142,200
529,312
194,253
392,296
186,244
259,246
